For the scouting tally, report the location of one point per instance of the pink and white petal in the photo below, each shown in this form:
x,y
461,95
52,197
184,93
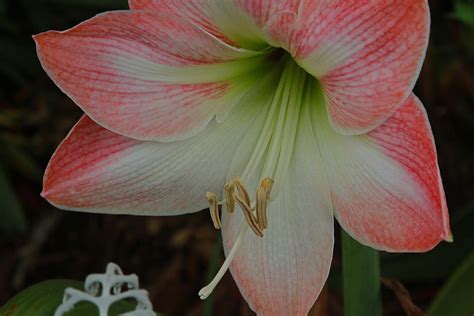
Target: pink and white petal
x,y
386,186
263,11
367,55
224,19
276,18
284,272
144,75
195,11
96,170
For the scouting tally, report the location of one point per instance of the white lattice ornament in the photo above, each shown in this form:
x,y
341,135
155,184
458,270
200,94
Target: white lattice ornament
x,y
103,290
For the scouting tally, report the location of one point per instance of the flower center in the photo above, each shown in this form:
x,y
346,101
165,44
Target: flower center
x,y
270,159
277,137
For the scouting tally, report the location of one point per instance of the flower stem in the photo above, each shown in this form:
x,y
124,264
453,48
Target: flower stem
x,y
361,278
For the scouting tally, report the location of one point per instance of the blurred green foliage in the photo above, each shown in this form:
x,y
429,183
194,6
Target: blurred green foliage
x,y
457,295
464,12
361,278
29,131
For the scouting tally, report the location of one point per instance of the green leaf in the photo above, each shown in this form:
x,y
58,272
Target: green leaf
x,y
464,12
43,298
361,278
457,295
11,213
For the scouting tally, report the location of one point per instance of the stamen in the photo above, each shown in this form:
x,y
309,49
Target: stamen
x,y
261,197
229,189
267,183
257,223
249,217
207,290
214,209
261,208
241,189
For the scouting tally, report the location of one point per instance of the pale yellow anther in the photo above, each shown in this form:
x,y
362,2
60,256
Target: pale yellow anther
x,y
214,209
229,190
261,201
267,184
261,207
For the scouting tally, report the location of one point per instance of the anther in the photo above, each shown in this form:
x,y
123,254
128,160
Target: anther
x,y
261,198
267,183
261,207
214,209
229,189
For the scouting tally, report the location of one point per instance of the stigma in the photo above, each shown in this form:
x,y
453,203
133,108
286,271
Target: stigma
x,y
255,213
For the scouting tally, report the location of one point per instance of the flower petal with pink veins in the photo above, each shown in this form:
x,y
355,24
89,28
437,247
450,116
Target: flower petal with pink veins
x,y
195,11
147,75
247,23
284,272
367,55
386,187
224,19
96,170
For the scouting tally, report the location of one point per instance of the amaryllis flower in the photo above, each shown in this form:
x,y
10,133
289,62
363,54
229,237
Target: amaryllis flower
x,y
279,114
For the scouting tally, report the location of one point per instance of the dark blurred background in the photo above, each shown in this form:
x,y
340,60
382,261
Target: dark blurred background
x,y
172,256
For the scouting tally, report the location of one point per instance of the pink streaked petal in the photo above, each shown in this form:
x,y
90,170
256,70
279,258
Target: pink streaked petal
x,y
225,20
407,138
195,11
275,18
139,73
264,11
284,272
279,30
367,55
96,170
386,186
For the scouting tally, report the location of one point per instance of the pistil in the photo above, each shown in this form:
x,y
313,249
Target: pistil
x,y
207,290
